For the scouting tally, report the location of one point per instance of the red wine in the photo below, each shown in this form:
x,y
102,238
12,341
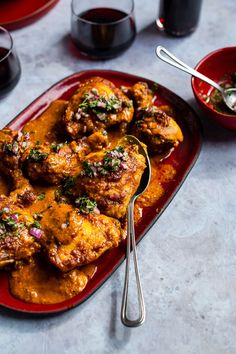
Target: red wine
x,y
179,17
103,32
9,71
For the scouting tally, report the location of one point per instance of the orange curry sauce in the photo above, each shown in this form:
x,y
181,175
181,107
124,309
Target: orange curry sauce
x,y
37,281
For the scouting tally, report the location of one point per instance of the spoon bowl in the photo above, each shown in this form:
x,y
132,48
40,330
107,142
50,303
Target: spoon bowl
x,y
229,96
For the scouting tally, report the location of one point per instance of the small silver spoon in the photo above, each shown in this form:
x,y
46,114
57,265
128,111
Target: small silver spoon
x,y
145,179
229,95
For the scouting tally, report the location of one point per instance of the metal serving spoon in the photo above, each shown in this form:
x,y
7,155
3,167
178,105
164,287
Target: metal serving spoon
x,y
145,179
229,95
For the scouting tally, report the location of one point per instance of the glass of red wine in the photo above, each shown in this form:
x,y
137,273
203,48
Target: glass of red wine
x,y
178,17
10,69
102,29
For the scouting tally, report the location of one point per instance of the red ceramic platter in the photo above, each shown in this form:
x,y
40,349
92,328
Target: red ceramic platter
x,y
18,13
182,159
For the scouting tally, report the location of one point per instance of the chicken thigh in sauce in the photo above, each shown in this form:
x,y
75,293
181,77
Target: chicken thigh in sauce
x,y
111,178
72,238
96,105
152,125
18,233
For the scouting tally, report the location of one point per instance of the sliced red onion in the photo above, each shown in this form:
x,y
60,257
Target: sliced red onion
x,y
15,147
123,166
101,104
36,232
27,136
15,217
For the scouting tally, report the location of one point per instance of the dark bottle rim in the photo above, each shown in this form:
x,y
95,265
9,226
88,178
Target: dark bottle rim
x,y
10,49
130,14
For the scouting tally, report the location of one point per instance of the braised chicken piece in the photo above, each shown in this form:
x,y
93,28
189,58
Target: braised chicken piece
x,y
111,178
141,95
72,238
94,142
51,162
152,125
12,146
22,191
156,129
54,162
96,105
18,233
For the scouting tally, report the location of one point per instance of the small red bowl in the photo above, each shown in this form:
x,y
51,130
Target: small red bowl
x,y
215,65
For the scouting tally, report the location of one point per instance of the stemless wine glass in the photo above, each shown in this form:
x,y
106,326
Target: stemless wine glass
x,y
102,29
10,69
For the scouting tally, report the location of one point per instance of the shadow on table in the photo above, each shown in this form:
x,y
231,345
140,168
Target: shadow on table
x,y
118,334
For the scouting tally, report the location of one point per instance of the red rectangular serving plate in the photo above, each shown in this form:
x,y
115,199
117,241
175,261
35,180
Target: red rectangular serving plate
x,y
182,159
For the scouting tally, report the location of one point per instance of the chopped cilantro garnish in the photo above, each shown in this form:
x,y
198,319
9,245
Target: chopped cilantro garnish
x,y
113,161
67,185
69,182
99,105
56,147
85,205
11,149
37,156
36,224
9,223
41,196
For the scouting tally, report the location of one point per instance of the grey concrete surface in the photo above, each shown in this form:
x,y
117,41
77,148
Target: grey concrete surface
x,y
188,258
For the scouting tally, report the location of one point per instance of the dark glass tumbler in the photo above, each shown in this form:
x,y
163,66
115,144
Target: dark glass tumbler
x,y
179,17
10,69
102,29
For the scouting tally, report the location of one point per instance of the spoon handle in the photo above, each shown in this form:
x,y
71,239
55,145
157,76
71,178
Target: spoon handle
x,y
124,307
172,60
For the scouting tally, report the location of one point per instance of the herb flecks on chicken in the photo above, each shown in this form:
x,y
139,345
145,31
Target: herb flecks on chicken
x,y
96,105
18,233
111,178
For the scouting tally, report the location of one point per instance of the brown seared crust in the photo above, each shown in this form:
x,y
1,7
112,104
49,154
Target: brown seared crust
x,y
113,192
12,146
72,239
78,125
141,95
156,129
22,191
60,161
53,166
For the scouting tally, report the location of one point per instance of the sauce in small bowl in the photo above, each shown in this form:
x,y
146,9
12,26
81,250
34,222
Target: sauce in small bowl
x,y
220,66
